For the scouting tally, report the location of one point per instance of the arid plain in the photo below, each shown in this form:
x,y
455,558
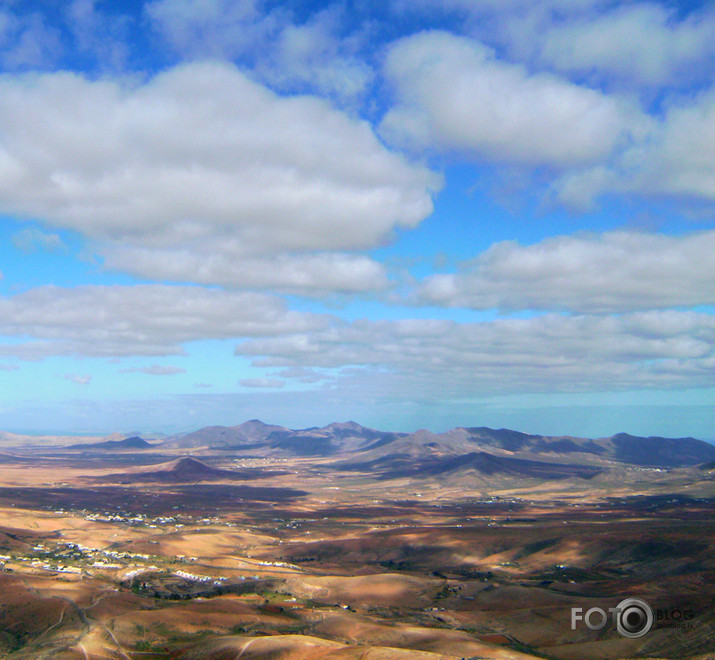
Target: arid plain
x,y
257,541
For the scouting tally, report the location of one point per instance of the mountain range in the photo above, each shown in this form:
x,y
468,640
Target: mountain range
x,y
363,445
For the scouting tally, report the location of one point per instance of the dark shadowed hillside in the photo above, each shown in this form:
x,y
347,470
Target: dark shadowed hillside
x,y
115,445
661,451
399,465
183,470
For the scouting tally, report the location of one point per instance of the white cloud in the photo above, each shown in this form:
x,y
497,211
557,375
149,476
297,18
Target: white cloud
x,y
139,320
8,367
31,239
675,161
262,382
313,55
454,94
156,370
213,28
640,43
99,34
517,7
679,159
287,55
611,272
202,160
303,375
209,263
551,353
80,379
27,41
635,44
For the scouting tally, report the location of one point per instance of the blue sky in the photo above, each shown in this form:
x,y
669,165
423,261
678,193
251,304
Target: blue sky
x,y
410,213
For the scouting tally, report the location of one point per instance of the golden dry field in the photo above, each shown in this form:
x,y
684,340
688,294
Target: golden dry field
x,y
162,555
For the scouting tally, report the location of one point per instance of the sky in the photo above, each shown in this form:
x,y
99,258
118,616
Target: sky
x,y
409,213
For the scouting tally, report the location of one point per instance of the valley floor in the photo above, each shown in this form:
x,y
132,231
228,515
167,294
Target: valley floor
x,y
302,561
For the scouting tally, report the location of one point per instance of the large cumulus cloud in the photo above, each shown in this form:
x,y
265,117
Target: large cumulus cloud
x,y
200,163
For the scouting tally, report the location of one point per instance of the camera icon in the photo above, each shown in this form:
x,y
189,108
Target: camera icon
x,y
634,618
